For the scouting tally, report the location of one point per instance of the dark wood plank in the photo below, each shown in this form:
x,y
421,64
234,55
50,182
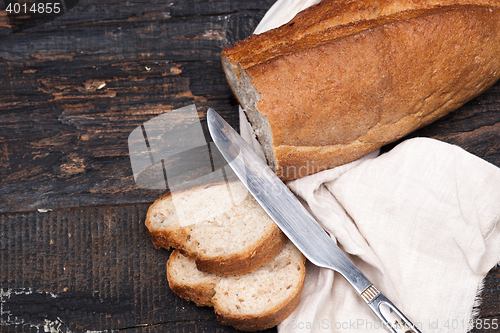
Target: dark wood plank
x,y
64,144
64,134
490,299
90,269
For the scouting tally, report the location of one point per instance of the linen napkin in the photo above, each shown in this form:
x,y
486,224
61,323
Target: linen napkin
x,y
421,222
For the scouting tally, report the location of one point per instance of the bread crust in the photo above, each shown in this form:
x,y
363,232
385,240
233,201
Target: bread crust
x,y
203,290
256,254
272,318
337,87
200,294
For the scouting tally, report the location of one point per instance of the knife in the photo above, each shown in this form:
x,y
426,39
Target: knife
x,y
296,222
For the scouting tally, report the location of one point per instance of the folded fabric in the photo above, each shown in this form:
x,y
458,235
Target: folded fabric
x,y
421,222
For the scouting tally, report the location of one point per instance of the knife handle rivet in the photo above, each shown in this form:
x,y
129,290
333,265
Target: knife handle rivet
x,y
370,293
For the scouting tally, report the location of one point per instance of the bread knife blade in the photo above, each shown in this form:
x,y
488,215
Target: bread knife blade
x,y
297,223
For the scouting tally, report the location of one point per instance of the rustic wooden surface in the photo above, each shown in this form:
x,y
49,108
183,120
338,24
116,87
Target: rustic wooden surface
x,y
72,88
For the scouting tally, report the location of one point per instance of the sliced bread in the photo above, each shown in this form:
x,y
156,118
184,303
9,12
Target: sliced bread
x,y
222,226
249,302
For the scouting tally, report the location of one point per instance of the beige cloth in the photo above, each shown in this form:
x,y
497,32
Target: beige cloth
x,y
421,222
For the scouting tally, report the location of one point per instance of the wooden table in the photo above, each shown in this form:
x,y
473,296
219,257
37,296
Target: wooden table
x,y
74,252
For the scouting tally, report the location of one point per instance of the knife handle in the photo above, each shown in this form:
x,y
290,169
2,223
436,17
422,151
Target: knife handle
x,y
394,320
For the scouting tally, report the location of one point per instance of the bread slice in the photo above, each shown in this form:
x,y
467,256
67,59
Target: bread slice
x,y
250,302
344,78
221,225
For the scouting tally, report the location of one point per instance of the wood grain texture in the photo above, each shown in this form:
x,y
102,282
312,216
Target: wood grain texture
x,y
71,91
89,269
74,88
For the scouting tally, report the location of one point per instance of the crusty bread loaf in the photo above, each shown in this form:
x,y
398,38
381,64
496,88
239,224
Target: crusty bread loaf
x,y
344,78
250,302
226,236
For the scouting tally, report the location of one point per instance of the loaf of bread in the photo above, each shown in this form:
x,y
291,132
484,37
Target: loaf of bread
x,y
344,78
224,236
250,302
